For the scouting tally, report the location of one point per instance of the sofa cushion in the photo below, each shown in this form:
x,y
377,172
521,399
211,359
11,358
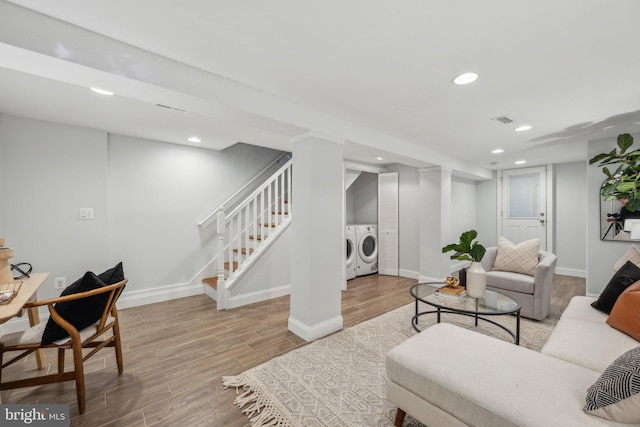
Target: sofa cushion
x,y
629,273
632,254
520,258
625,315
511,281
488,386
580,308
587,344
616,394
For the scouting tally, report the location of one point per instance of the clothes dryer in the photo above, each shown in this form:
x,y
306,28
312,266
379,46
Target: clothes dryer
x,y
352,251
367,241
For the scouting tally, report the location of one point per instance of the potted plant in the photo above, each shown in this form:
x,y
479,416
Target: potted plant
x,y
624,182
469,250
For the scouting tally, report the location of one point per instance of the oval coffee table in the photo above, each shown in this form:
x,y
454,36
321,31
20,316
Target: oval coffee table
x,y
493,304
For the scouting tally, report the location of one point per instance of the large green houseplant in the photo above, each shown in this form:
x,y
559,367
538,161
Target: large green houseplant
x,y
623,183
467,249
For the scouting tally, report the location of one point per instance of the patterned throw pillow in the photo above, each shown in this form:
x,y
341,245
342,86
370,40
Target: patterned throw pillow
x,y
632,254
615,395
520,258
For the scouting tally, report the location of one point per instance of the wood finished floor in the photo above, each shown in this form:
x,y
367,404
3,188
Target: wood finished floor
x,y
176,352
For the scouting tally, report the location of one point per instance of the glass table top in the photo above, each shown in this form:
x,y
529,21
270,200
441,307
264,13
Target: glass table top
x,y
493,302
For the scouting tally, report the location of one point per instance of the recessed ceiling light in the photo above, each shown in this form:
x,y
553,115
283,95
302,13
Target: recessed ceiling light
x,y
101,91
497,151
195,139
465,78
379,158
522,128
520,162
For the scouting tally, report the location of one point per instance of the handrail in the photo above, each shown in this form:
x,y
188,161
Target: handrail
x,y
210,218
264,207
253,195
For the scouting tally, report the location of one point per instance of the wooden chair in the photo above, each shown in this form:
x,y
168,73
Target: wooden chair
x,y
95,336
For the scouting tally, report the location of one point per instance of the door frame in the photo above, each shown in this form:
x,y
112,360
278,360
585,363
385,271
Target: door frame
x,y
550,208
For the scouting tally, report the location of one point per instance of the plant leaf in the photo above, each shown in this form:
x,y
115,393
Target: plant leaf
x,y
624,142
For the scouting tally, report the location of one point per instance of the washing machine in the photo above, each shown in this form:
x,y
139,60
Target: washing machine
x,y
352,251
367,249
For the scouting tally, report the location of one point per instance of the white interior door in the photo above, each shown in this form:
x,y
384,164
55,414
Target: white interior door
x,y
524,205
388,224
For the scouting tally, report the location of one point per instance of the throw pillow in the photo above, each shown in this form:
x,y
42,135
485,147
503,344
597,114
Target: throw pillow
x,y
520,258
628,274
113,275
82,313
624,315
615,395
632,254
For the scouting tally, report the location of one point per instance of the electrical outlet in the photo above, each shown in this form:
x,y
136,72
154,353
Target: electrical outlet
x,y
59,283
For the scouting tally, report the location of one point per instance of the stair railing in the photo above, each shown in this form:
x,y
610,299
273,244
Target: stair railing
x,y
262,208
235,197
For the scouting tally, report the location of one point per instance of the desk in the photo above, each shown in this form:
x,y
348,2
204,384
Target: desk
x,y
28,293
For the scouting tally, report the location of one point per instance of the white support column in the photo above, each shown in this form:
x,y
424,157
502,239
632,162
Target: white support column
x,y
317,259
435,223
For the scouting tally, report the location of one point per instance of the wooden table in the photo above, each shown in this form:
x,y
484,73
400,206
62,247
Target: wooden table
x,y
28,292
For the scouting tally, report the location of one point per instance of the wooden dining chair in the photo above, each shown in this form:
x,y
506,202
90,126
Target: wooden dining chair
x,y
105,332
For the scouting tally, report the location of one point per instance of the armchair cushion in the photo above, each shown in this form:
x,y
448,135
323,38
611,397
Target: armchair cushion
x,y
520,258
82,313
628,274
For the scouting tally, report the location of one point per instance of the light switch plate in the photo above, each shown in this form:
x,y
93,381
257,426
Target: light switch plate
x,y
86,213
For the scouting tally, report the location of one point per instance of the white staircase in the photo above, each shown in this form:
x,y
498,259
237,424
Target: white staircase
x,y
246,232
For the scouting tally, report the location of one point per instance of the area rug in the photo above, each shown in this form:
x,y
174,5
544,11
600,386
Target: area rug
x,y
339,380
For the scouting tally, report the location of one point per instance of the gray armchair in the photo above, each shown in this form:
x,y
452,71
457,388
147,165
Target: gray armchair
x,y
532,292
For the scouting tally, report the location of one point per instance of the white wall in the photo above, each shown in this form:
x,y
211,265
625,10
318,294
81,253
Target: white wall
x,y
570,188
49,171
147,198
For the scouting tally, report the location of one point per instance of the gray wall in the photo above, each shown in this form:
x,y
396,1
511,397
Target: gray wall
x,y
601,255
362,200
487,211
570,188
408,236
570,205
463,208
147,197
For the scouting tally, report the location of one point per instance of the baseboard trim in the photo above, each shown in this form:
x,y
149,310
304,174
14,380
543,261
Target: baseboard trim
x,y
571,272
161,294
423,279
127,300
319,330
250,298
410,274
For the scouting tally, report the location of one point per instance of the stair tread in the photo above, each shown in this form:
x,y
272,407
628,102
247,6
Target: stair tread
x,y
244,251
279,213
211,281
235,266
257,237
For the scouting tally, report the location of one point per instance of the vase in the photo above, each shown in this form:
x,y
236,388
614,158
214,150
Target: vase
x,y
476,280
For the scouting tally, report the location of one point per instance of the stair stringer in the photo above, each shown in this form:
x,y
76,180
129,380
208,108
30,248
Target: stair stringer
x,y
249,285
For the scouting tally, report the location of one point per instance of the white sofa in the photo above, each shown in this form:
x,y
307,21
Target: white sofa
x,y
451,376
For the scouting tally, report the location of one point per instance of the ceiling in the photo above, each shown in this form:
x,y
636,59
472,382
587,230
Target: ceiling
x,y
374,73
